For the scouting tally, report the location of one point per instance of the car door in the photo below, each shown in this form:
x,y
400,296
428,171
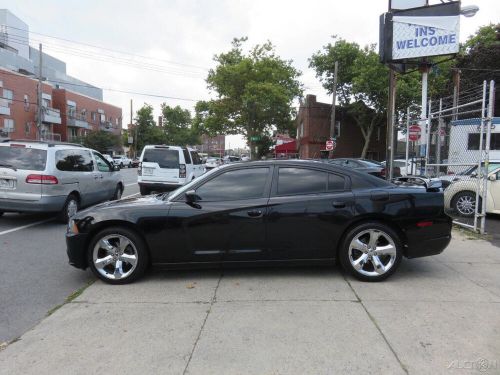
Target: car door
x,y
226,223
197,164
105,182
494,191
306,212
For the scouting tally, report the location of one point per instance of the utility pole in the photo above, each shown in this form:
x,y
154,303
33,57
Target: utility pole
x,y
391,105
133,127
39,93
456,91
332,117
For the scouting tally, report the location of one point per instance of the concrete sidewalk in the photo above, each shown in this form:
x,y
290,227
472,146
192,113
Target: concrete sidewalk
x,y
438,315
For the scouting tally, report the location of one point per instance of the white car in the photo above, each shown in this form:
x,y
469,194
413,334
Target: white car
x,y
122,161
466,174
460,196
167,167
406,168
245,157
212,163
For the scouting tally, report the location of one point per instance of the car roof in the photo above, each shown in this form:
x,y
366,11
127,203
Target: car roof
x,y
42,145
168,147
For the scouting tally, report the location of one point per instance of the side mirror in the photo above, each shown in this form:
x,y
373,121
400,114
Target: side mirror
x,y
191,196
492,177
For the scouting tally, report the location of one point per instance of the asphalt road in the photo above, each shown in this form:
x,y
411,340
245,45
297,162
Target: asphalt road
x,y
34,272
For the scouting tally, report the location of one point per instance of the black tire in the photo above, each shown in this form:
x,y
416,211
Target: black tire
x,y
118,193
137,247
64,215
121,165
130,165
368,271
458,203
144,190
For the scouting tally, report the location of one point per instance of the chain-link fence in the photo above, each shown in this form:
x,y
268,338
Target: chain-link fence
x,y
459,145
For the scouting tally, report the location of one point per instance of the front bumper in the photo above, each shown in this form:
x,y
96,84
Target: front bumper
x,y
76,248
44,204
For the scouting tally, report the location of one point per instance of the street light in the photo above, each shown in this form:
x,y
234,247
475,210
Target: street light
x,y
469,10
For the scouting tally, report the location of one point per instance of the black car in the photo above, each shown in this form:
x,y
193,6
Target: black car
x,y
372,167
267,212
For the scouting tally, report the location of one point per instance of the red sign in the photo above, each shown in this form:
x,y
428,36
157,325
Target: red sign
x,y
414,133
331,145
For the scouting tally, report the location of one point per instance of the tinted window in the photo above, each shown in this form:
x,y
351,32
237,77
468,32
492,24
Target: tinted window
x,y
102,164
165,158
23,158
187,158
235,185
74,161
195,157
335,182
301,181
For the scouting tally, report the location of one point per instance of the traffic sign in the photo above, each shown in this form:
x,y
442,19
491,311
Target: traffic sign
x,y
414,133
331,145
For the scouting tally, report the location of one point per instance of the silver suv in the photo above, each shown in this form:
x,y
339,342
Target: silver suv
x,y
38,176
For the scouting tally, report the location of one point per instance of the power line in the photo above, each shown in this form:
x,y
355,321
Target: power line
x,y
108,49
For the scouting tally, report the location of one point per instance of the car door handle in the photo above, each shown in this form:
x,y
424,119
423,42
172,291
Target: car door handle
x,y
255,213
336,204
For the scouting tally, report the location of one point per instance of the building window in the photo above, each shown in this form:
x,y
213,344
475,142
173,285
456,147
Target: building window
x,y
473,141
8,125
71,111
103,117
8,94
301,130
27,128
93,115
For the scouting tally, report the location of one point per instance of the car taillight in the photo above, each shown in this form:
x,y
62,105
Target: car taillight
x,y
423,224
139,169
182,171
41,179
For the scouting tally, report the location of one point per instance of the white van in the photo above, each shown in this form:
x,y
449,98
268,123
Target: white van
x,y
167,167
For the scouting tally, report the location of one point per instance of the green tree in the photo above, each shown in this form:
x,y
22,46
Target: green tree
x,y
101,141
178,126
255,91
147,131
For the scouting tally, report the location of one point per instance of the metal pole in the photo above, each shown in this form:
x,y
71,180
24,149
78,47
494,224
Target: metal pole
x,y
407,138
39,92
332,117
438,139
390,125
423,116
487,154
428,140
480,175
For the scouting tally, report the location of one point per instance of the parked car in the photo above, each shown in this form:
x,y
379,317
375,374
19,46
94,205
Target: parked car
x,y
212,163
469,172
460,195
135,162
122,161
231,159
38,176
244,157
109,158
167,167
267,212
410,168
375,168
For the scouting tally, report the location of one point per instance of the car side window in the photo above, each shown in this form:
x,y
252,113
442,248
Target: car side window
x,y
187,158
301,181
248,183
102,164
74,161
195,157
335,182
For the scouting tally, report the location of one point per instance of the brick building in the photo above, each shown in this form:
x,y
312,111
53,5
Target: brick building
x,y
313,128
65,114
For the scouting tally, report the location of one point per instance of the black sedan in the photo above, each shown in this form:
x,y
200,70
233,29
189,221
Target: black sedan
x,y
372,167
268,212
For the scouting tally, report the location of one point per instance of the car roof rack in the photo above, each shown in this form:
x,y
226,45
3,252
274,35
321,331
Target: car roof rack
x,y
49,143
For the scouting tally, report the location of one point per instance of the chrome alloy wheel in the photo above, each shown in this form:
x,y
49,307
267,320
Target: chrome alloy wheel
x,y
466,205
115,256
72,208
372,252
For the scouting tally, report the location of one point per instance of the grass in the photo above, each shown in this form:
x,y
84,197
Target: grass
x,y
70,298
470,234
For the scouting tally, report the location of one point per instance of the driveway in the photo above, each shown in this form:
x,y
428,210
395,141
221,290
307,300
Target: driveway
x,y
438,315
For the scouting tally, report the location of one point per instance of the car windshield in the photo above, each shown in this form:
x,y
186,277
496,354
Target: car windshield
x,y
23,158
165,158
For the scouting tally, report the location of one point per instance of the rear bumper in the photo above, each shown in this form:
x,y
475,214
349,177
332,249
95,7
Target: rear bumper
x,y
76,248
45,204
424,242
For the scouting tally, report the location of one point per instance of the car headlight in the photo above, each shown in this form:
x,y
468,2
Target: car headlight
x,y
72,227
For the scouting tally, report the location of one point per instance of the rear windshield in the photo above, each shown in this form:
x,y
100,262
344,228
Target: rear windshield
x,y
23,158
164,158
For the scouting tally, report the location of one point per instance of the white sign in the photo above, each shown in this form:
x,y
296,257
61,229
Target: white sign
x,y
407,4
415,36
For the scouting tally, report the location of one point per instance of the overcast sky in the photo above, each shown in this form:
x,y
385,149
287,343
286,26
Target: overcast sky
x,y
191,32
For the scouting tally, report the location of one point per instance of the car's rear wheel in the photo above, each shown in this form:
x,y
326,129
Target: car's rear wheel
x,y
118,193
464,203
371,252
117,255
130,165
70,208
144,190
121,165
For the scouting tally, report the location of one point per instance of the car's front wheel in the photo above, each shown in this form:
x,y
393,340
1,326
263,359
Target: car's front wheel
x,y
118,193
117,255
464,203
371,251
